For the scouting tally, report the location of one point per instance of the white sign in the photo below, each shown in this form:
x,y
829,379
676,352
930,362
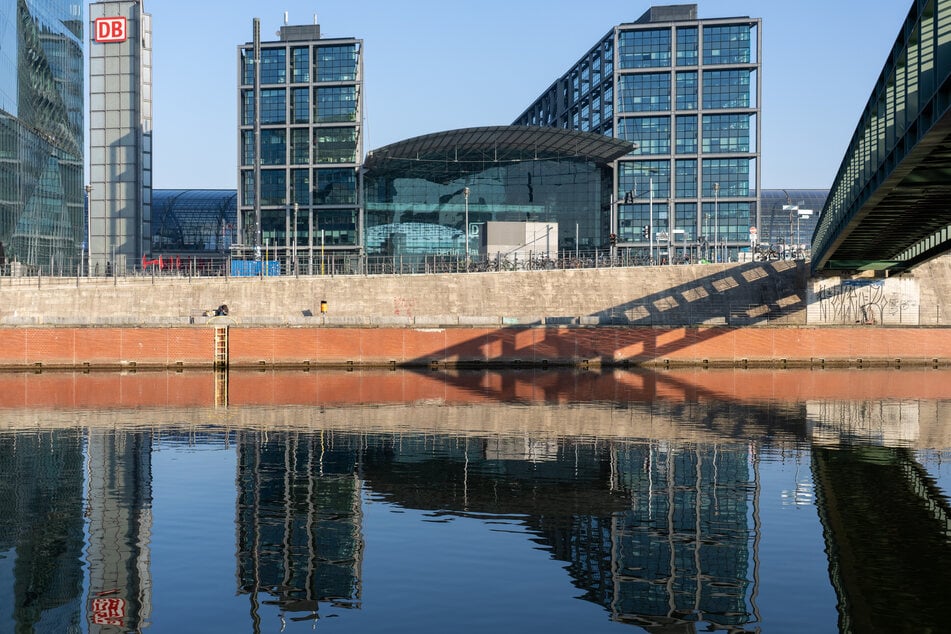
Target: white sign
x,y
111,29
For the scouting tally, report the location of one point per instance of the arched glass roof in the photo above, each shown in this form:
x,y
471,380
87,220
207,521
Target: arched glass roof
x,y
444,156
193,220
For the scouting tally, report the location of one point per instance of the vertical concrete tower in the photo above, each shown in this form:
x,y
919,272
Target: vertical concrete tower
x,y
120,135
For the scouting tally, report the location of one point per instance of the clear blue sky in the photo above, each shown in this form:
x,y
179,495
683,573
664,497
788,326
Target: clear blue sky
x,y
433,65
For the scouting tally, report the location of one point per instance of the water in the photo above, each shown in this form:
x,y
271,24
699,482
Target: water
x,y
682,501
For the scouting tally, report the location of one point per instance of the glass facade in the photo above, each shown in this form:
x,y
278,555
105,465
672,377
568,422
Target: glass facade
x,y
420,193
300,161
789,219
686,91
193,222
41,135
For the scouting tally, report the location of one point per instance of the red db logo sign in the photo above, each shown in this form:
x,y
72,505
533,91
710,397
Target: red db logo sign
x,y
110,29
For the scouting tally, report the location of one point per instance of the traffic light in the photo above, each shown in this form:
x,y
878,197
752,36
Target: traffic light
x,y
647,231
629,198
613,239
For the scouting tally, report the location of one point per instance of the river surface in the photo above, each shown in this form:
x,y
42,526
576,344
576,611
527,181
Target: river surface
x,y
553,501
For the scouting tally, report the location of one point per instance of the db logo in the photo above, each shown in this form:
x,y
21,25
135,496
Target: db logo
x,y
110,29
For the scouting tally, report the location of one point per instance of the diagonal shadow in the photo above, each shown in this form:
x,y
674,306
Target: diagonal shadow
x,y
661,323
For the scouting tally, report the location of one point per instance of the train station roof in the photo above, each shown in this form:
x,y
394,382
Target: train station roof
x,y
446,155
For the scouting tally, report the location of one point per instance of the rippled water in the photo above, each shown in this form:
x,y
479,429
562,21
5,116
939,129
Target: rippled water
x,y
468,502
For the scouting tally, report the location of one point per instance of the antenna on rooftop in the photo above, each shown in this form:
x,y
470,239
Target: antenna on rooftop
x,y
286,18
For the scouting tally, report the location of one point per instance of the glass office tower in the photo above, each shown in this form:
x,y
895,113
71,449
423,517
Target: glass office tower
x,y
41,135
300,140
687,91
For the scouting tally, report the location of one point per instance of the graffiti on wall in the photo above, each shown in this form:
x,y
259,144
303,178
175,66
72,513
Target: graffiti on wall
x,y
864,301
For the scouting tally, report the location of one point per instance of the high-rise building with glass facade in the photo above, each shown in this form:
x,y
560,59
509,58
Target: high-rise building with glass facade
x,y
300,140
687,92
41,134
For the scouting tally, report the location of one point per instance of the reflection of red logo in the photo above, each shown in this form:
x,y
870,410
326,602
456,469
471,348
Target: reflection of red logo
x,y
107,611
110,29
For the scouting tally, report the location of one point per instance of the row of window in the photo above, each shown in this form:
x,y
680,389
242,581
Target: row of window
x,y
652,92
331,64
326,145
333,104
722,133
330,227
282,187
642,179
651,48
721,222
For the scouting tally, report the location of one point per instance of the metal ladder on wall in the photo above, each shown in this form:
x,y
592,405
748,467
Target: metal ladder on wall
x,y
221,347
221,366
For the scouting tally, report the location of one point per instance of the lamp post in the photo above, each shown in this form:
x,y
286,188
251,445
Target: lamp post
x,y
465,229
294,233
88,250
716,222
650,218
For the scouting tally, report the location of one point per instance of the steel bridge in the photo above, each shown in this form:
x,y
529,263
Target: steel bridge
x,y
890,204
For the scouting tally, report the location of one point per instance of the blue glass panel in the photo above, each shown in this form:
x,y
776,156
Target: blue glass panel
x,y
727,44
726,89
645,92
337,63
687,41
652,134
648,48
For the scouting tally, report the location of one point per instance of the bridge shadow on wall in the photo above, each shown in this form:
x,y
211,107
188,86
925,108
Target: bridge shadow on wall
x,y
646,328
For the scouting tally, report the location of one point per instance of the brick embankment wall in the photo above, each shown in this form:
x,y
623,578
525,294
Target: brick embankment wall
x,y
71,347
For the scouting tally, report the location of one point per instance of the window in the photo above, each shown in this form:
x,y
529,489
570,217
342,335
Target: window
x,y
273,66
336,187
336,104
642,177
726,89
645,92
300,106
300,180
336,145
685,178
726,133
273,106
727,44
337,63
733,175
687,38
687,90
686,132
273,187
652,134
300,146
247,147
300,61
644,48
273,147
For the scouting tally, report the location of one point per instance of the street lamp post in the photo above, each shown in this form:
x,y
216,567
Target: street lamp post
x,y
294,233
87,252
650,219
716,222
465,229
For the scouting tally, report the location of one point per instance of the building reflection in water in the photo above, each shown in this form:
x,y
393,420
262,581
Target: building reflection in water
x,y
299,521
41,531
661,534
119,511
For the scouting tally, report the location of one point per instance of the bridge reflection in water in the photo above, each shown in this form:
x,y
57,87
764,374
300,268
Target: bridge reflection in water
x,y
646,485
